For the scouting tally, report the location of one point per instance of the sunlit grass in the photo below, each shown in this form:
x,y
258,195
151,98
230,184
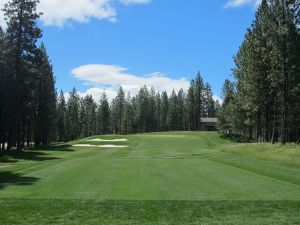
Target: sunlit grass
x,y
161,178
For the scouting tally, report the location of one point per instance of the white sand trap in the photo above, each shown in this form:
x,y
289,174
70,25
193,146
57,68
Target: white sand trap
x,y
103,140
112,146
100,146
84,145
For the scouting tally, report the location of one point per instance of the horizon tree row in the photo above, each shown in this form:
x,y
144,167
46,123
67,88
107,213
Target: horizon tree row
x,y
263,103
27,84
148,111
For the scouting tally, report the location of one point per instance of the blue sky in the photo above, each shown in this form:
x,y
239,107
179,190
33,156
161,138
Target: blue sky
x,y
97,45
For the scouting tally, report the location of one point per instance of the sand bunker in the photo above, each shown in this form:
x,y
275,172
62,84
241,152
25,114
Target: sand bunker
x,y
103,140
112,146
83,145
100,146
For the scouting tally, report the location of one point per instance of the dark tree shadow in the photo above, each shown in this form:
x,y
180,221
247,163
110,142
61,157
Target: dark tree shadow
x,y
235,138
58,148
54,148
35,154
6,159
13,156
9,178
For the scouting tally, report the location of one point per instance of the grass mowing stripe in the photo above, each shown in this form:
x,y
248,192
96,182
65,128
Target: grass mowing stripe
x,y
73,212
259,170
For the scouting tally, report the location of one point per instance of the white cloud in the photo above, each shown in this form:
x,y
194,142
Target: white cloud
x,y
60,12
218,98
109,78
239,3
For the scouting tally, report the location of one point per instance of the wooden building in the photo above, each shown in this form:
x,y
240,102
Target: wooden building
x,y
208,124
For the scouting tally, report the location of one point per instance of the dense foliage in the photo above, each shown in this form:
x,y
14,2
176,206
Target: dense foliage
x,y
263,103
27,85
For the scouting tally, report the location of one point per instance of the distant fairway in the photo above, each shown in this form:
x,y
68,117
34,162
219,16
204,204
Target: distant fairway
x,y
160,178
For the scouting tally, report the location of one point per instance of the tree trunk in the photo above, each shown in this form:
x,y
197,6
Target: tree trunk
x,y
19,107
283,137
267,124
274,121
258,126
285,87
28,132
10,138
250,133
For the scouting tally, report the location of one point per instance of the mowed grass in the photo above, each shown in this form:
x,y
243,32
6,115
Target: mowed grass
x,y
160,178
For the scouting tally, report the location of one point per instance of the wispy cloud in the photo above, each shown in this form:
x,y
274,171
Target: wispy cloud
x,y
61,12
109,78
239,3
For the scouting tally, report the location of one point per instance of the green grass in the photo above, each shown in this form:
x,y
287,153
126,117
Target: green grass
x,y
161,178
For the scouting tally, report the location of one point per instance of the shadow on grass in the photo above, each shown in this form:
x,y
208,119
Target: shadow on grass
x,y
7,159
235,138
8,178
13,156
55,148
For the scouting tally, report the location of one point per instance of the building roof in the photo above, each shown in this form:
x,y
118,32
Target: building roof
x,y
209,120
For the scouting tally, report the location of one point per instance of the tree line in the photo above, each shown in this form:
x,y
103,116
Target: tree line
x,y
147,111
263,102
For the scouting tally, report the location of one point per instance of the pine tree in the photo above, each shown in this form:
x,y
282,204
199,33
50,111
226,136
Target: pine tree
x,y
151,110
61,117
22,34
142,110
87,116
73,113
228,93
103,116
172,115
284,49
164,111
118,109
3,90
198,95
158,112
191,107
209,102
127,122
180,110
267,69
45,94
